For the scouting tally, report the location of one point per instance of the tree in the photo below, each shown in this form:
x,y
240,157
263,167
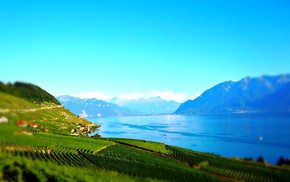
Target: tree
x,y
261,159
281,161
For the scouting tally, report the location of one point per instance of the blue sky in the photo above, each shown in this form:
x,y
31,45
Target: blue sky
x,y
120,47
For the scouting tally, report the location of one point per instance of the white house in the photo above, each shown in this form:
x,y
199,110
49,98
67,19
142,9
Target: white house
x,y
3,120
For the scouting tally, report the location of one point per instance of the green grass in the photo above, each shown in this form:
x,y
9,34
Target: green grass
x,y
11,102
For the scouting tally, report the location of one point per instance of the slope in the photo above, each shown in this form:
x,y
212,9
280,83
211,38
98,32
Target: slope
x,y
234,97
28,92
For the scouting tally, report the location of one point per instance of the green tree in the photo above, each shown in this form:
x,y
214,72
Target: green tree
x,y
261,159
281,161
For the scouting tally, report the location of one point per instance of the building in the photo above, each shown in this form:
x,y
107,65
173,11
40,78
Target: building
x,y
21,123
34,125
3,120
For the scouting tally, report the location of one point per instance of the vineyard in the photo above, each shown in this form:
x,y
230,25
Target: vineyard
x,y
144,144
107,154
97,153
51,153
239,170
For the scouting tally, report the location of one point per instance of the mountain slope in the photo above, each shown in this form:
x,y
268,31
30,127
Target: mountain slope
x,y
233,97
92,107
27,91
278,102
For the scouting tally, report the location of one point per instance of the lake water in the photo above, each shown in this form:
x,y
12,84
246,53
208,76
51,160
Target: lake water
x,y
230,135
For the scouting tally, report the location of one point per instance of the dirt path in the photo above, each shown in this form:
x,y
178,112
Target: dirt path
x,y
102,149
28,110
197,168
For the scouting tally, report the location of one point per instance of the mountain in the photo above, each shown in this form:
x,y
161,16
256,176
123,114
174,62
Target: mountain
x,y
27,91
278,102
260,94
93,107
153,105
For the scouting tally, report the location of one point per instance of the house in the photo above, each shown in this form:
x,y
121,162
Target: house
x,y
21,123
87,128
25,123
34,125
3,120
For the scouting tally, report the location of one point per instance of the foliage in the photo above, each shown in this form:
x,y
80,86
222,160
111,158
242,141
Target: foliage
x,y
261,159
281,161
27,91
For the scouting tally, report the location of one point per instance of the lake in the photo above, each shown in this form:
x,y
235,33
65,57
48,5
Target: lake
x,y
226,135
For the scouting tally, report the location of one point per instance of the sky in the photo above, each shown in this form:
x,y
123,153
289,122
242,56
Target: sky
x,y
125,48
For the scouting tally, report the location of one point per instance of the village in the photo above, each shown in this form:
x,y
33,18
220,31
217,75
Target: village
x,y
30,127
84,130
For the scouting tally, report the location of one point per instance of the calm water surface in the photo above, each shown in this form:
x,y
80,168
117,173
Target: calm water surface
x,y
234,135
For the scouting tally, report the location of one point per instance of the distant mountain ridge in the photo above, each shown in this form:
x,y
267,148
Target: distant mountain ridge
x,y
247,95
92,107
153,105
117,107
27,91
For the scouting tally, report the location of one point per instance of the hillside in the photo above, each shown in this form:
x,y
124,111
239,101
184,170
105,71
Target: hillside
x,y
48,150
27,91
51,117
239,97
93,107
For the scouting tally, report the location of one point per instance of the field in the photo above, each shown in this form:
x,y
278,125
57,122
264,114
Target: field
x,y
50,153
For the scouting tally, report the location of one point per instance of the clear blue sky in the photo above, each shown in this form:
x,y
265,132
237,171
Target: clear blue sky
x,y
120,46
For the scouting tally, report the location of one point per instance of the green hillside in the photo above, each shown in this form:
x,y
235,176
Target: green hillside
x,y
28,92
49,152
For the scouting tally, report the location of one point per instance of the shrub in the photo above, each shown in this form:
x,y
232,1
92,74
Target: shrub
x,y
281,161
261,159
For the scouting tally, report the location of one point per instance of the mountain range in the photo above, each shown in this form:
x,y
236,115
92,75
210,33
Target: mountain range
x,y
93,107
261,94
269,94
152,105
117,107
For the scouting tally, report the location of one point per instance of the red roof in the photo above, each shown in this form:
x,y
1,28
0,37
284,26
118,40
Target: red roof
x,y
21,122
32,124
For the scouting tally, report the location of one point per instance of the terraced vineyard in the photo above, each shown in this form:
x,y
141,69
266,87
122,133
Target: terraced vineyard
x,y
228,167
144,144
239,170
